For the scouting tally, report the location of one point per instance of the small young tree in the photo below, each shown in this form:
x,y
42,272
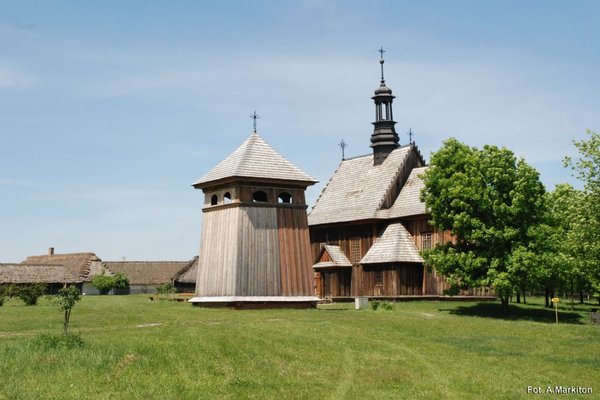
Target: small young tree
x,y
104,283
65,300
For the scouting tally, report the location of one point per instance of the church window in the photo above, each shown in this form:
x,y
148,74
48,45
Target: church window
x,y
214,200
426,241
227,198
284,198
259,197
378,278
355,250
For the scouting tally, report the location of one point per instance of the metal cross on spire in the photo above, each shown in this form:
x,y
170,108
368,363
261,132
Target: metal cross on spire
x,y
254,117
410,136
381,51
343,145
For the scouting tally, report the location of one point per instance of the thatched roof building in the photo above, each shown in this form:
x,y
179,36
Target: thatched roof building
x,y
48,274
185,279
144,276
78,263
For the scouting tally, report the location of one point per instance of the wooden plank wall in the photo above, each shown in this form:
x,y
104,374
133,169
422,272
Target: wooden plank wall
x,y
294,252
398,280
217,264
342,235
258,255
239,253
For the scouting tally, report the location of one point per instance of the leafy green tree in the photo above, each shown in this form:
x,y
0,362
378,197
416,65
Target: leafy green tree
x,y
492,204
65,300
587,231
104,283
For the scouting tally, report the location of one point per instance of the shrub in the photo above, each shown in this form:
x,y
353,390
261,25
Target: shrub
x,y
50,342
384,305
121,281
166,289
104,283
29,293
375,304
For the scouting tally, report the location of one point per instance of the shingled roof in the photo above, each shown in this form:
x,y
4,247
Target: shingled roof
x,y
357,189
394,246
146,272
408,202
26,273
77,263
255,159
337,258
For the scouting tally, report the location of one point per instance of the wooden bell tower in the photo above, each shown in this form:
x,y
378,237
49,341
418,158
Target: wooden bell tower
x,y
255,247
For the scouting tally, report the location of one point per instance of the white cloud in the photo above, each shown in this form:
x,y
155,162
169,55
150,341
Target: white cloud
x,y
11,78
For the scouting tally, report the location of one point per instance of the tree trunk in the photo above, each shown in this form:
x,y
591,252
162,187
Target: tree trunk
x,y
581,297
547,300
518,297
524,302
504,301
66,323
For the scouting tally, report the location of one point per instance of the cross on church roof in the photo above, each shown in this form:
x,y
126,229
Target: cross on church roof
x,y
343,145
381,51
254,117
410,136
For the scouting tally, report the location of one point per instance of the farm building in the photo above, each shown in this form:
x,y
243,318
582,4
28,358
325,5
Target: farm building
x,y
255,245
145,276
53,276
80,264
185,279
369,225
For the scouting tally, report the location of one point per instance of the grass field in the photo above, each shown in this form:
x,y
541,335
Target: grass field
x,y
137,349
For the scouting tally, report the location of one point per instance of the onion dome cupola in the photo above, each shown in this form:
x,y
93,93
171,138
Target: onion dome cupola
x,y
384,138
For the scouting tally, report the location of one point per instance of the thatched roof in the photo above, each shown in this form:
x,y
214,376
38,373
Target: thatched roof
x,y
146,272
26,273
77,263
189,273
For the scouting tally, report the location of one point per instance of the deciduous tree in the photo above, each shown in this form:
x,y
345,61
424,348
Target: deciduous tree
x,y
492,204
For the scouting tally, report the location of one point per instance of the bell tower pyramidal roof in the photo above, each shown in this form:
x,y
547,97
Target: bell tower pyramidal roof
x,y
255,158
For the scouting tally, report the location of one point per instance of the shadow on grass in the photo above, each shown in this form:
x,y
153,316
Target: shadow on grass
x,y
516,313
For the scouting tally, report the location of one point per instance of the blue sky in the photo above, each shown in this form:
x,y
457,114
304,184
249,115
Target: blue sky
x,y
110,110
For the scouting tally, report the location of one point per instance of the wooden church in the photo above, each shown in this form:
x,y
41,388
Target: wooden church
x,y
255,247
368,225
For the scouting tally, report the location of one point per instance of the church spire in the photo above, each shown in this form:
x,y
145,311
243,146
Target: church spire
x,y
384,138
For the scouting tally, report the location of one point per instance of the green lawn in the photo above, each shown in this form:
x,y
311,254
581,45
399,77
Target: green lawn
x,y
135,348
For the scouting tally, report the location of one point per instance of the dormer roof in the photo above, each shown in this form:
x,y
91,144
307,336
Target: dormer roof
x,y
394,246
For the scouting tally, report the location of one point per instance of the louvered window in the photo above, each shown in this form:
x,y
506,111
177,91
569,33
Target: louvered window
x,y
378,278
355,250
